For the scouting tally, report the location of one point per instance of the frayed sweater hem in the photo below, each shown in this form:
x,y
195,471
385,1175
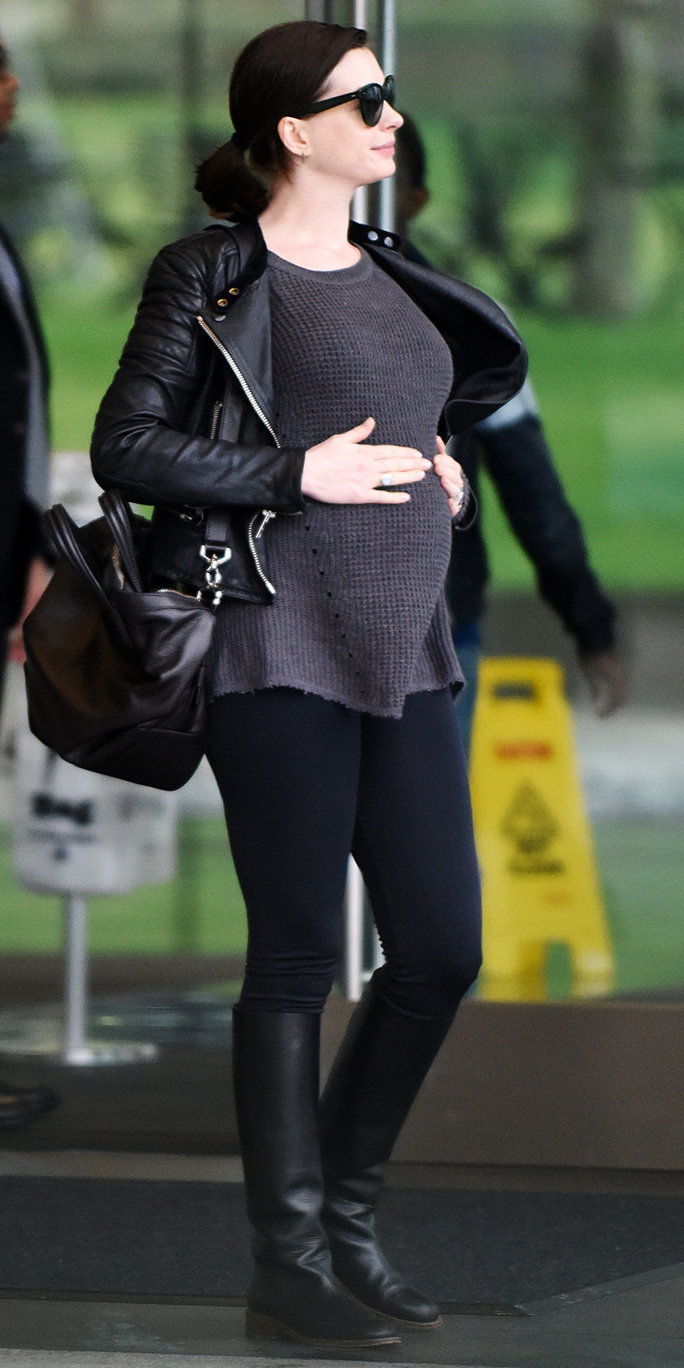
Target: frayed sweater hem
x,y
390,709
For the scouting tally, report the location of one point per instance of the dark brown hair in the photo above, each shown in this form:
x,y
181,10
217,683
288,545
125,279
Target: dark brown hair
x,y
278,72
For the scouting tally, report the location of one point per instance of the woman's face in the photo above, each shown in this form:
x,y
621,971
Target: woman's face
x,y
338,142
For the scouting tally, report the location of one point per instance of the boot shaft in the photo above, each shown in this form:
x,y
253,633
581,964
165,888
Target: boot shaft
x,y
276,1080
373,1083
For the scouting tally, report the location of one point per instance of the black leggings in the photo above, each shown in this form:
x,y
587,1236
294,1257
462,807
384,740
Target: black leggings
x,y
305,781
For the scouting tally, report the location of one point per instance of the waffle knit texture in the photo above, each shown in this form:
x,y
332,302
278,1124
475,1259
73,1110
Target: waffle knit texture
x,y
359,615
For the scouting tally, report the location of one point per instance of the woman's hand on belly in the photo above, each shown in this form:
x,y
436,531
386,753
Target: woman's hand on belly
x,y
342,470
451,477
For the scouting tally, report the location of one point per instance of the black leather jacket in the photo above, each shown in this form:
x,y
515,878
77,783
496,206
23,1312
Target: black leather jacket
x,y
187,423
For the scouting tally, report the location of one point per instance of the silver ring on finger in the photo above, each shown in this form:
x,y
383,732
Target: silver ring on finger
x,y
386,480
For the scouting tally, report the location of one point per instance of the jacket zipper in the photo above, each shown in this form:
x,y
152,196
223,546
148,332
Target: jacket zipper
x,y
215,420
266,513
180,593
252,547
238,375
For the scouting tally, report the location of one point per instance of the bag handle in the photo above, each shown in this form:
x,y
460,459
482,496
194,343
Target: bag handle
x,y
63,534
118,516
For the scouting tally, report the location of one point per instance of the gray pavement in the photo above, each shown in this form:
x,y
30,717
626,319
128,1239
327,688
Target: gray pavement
x,y
634,1323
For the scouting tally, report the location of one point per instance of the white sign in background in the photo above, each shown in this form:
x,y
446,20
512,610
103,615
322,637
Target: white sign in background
x,y
73,831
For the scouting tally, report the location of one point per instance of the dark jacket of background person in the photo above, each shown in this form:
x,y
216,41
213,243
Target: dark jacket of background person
x,y
512,448
21,537
515,455
188,420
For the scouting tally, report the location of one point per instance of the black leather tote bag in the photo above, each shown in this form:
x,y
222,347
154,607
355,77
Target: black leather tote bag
x,y
115,674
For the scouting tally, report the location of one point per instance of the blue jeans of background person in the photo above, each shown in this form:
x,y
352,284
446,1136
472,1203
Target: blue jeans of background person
x,y
468,643
304,781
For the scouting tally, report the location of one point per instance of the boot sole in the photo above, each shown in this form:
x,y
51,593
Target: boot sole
x,y
396,1320
259,1326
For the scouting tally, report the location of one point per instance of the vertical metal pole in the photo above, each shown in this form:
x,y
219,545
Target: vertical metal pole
x,y
323,11
360,200
76,1049
388,61
357,10
353,975
352,969
387,51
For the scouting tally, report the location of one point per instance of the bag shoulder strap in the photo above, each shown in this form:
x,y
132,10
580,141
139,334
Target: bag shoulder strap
x,y
217,527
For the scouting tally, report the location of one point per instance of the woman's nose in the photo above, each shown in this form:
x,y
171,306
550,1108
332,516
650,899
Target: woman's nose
x,y
391,118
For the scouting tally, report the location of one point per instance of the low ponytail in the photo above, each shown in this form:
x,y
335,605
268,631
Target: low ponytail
x,y
228,186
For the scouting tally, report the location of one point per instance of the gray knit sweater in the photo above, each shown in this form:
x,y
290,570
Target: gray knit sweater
x,y
359,615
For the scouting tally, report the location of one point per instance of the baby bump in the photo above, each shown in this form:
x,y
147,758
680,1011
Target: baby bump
x,y
409,543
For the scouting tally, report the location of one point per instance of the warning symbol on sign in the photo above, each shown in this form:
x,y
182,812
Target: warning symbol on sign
x,y
530,826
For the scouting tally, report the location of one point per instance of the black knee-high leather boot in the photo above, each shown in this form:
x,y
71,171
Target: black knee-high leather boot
x,y
379,1068
294,1293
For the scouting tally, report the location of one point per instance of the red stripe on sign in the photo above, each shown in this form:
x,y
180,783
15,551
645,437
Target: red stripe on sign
x,y
523,750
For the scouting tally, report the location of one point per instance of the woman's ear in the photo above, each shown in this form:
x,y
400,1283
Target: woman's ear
x,y
294,137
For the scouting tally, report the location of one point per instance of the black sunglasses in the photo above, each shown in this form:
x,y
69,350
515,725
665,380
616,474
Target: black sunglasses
x,y
371,98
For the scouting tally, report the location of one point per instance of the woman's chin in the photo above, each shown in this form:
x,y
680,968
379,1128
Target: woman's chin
x,y
381,173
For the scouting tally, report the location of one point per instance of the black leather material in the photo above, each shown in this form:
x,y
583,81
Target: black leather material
x,y
115,676
293,1293
188,421
379,1068
176,429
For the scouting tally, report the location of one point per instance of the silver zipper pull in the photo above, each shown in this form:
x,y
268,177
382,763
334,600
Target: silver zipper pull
x,y
266,515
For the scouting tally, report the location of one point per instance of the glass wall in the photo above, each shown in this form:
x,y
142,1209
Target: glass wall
x,y
553,135
554,138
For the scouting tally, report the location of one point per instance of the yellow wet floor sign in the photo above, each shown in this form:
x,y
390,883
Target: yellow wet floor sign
x,y
538,871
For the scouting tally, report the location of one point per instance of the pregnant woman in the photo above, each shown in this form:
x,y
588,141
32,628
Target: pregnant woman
x,y
296,372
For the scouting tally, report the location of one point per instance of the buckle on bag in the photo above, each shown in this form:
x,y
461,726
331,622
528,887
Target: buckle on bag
x,y
212,575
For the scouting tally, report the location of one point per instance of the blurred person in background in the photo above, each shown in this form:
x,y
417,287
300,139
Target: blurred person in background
x,y
259,349
24,484
511,446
